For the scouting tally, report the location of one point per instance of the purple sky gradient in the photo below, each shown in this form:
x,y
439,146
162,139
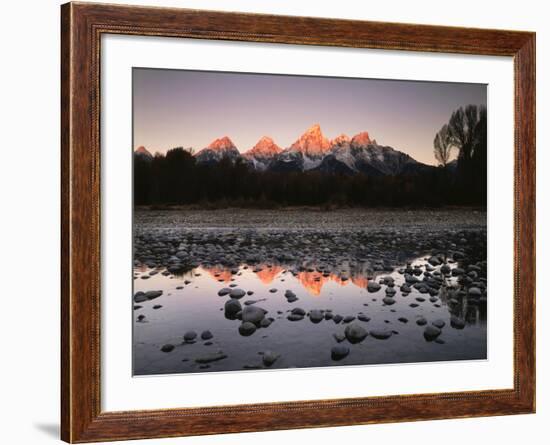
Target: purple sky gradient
x,y
192,108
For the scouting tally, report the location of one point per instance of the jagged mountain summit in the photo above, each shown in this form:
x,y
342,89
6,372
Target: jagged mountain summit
x,y
313,151
306,153
263,153
143,153
217,150
312,143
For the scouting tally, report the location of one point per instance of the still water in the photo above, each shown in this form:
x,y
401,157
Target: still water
x,y
190,303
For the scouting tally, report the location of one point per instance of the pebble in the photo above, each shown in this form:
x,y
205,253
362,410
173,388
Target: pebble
x,y
431,333
247,328
457,323
232,307
269,358
355,333
253,314
190,336
167,348
316,315
237,293
381,334
421,321
373,286
339,352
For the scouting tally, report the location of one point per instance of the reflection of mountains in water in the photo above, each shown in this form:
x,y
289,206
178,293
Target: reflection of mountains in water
x,y
311,278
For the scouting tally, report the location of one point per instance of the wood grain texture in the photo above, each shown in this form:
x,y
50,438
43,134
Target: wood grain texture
x,y
81,28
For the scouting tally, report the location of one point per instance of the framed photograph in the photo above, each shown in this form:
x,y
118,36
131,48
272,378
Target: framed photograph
x,y
275,222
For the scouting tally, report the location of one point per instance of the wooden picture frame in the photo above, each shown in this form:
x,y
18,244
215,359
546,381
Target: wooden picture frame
x,y
82,25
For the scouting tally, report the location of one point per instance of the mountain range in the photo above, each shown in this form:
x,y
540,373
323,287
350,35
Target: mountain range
x,y
313,151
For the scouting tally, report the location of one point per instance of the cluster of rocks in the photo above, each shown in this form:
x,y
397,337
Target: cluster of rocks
x,y
344,251
454,274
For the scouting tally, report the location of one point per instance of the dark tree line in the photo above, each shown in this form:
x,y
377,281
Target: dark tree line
x,y
466,132
176,178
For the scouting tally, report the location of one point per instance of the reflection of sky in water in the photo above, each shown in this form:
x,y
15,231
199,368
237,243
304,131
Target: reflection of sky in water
x,y
198,307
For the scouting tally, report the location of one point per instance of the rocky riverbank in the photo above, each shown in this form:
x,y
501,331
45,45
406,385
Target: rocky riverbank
x,y
374,275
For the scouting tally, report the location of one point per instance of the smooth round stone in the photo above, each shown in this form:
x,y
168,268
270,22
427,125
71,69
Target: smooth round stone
x,y
405,288
298,311
295,317
438,323
403,319
355,333
190,336
363,317
266,322
434,261
337,318
474,292
457,323
269,358
167,348
232,307
431,333
348,318
253,314
315,315
381,334
339,336
373,286
247,328
152,294
224,291
237,293
139,297
339,352
206,335
388,301
421,321
289,294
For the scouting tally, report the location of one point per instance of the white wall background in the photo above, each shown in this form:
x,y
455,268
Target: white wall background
x,y
29,244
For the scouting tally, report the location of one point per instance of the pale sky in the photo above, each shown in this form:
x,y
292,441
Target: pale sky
x,y
192,108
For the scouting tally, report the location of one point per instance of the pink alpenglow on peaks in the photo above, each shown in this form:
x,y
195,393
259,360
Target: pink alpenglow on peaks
x,y
222,144
312,142
265,147
340,141
362,139
142,151
222,148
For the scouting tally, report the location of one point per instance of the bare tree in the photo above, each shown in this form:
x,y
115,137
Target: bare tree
x,y
464,129
443,144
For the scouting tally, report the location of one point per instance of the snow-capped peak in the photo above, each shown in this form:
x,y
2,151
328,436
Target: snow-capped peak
x,y
361,140
265,147
222,144
312,143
